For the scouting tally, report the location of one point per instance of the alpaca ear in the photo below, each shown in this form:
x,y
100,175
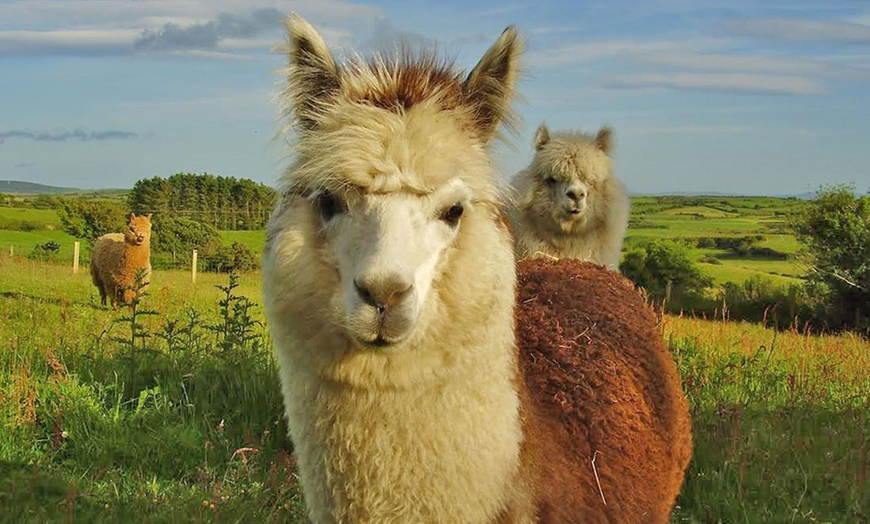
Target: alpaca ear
x,y
132,216
604,139
490,85
312,73
148,216
542,136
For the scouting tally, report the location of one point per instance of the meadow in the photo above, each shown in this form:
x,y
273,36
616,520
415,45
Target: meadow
x,y
682,218
179,417
172,412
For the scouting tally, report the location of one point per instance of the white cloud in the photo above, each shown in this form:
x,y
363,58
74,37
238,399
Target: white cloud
x,y
171,26
579,53
57,14
726,63
724,82
796,30
89,40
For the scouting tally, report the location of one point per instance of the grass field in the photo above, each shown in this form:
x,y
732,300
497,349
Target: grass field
x,y
185,425
689,218
653,218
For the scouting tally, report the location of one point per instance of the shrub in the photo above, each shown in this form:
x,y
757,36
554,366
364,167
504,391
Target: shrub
x,y
760,299
835,231
90,219
45,252
665,270
179,236
235,258
710,259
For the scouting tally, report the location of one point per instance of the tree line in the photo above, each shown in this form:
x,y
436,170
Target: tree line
x,y
224,203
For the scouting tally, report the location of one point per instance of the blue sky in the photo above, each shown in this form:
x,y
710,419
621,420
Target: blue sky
x,y
744,96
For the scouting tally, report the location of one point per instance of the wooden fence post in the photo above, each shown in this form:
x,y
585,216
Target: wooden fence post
x,y
193,268
75,257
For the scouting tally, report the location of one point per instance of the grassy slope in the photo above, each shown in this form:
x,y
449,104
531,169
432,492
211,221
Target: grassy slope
x,y
781,421
692,217
80,441
657,217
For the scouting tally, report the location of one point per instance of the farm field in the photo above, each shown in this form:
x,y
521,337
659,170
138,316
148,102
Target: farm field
x,y
679,218
692,218
186,423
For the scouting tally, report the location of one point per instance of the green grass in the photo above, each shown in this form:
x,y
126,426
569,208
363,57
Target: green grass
x,y
44,217
255,240
183,428
781,423
781,420
23,242
690,218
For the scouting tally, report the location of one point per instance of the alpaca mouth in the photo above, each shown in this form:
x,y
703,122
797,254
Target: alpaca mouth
x,y
380,341
573,213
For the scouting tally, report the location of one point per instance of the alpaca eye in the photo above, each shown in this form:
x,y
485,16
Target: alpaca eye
x,y
550,181
329,205
453,213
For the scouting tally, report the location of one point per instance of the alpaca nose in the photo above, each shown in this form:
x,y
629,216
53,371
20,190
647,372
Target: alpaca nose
x,y
576,194
383,292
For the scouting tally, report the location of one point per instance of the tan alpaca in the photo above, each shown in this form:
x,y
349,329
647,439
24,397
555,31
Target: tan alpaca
x,y
116,257
389,284
568,203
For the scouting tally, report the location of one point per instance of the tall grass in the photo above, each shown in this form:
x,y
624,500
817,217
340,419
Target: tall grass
x,y
118,416
781,423
194,432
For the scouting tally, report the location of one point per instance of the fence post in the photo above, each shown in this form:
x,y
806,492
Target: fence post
x,y
75,257
193,268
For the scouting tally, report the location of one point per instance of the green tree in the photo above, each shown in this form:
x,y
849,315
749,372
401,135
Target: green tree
x,y
222,202
90,219
175,235
665,270
230,259
834,229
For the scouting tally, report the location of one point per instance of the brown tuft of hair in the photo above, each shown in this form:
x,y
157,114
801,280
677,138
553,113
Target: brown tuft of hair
x,y
413,79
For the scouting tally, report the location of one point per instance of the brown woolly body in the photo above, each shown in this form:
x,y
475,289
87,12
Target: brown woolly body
x,y
116,257
601,386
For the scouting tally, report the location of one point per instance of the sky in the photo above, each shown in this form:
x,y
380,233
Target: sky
x,y
744,97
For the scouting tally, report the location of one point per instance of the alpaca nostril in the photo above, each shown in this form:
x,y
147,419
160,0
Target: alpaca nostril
x,y
383,293
572,195
365,294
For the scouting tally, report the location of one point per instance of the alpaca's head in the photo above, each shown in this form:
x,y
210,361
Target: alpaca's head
x,y
391,187
567,177
138,230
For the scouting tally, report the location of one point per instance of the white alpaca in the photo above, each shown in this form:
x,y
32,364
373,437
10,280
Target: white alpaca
x,y
569,203
389,284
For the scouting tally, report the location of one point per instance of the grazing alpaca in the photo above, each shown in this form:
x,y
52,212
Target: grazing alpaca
x,y
569,204
389,284
116,257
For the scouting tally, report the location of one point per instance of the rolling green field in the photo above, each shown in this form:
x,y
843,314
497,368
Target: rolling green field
x,y
690,218
186,423
685,218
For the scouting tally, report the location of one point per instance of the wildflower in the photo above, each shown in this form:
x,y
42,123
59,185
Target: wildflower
x,y
64,434
205,503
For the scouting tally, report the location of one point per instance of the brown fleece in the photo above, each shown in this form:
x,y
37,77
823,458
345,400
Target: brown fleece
x,y
601,385
116,257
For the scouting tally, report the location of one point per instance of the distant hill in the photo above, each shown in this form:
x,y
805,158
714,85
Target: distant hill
x,y
17,187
